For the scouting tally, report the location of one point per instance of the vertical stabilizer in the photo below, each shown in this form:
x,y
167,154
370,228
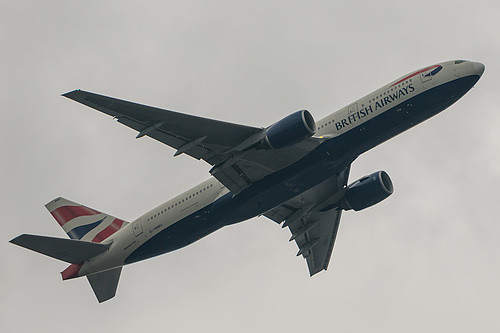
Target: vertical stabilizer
x,y
84,223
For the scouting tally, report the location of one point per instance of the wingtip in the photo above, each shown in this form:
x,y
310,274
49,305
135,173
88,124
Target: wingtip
x,y
70,93
15,240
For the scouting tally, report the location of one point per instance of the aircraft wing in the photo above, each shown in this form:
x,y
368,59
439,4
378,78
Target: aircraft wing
x,y
229,147
313,219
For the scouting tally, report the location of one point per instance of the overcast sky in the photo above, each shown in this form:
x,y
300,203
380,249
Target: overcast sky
x,y
424,260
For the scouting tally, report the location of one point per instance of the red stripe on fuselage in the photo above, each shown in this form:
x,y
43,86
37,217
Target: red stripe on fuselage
x,y
412,75
108,231
65,214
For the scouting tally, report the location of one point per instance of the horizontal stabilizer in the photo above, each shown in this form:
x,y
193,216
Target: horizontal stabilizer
x,y
69,250
104,284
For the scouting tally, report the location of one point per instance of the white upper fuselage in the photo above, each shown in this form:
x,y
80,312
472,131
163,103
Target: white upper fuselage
x,y
352,117
129,238
393,93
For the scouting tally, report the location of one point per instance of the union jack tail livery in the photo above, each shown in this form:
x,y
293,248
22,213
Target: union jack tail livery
x,y
83,223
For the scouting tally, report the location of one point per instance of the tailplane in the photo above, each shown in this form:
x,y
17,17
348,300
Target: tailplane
x,y
75,252
104,284
69,250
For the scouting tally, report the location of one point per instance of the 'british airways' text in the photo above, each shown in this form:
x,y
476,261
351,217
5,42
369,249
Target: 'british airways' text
x,y
380,103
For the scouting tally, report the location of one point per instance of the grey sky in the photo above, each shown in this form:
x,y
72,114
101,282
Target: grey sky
x,y
426,259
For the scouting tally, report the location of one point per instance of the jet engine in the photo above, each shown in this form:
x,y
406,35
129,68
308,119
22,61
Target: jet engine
x,y
290,130
368,191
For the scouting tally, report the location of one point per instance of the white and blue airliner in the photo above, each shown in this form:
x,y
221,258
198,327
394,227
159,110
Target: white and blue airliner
x,y
294,172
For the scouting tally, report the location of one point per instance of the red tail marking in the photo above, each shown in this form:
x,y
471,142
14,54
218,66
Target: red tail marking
x,y
108,231
71,272
65,214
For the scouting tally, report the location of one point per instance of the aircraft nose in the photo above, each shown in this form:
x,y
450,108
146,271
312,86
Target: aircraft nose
x,y
479,68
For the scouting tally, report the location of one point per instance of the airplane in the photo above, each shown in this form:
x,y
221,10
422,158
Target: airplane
x,y
294,172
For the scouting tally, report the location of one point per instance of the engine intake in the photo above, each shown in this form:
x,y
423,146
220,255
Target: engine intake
x,y
368,191
290,130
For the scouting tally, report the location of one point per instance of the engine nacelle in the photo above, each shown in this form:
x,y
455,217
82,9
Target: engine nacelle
x,y
290,130
368,191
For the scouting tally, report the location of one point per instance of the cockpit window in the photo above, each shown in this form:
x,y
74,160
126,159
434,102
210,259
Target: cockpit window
x,y
460,61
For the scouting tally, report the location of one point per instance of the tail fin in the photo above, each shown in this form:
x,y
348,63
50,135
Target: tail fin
x,y
83,223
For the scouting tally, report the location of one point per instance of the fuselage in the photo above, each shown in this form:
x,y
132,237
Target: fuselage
x,y
344,135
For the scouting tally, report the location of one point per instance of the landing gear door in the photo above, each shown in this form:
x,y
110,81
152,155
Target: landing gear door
x,y
137,227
